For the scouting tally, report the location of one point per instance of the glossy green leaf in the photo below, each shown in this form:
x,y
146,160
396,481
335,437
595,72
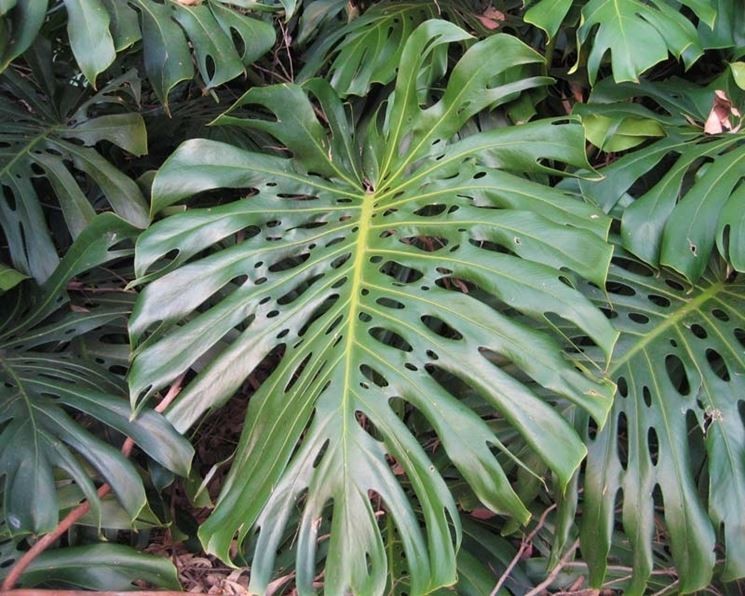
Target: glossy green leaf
x,y
367,279
39,145
368,49
547,14
9,278
124,26
677,220
639,34
90,39
727,31
100,567
39,386
170,29
612,134
20,26
738,73
678,365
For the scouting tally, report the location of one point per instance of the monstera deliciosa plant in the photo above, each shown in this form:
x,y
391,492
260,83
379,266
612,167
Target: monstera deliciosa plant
x,y
377,272
372,297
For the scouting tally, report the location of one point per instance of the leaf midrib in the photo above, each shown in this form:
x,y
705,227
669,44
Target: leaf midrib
x,y
360,250
670,322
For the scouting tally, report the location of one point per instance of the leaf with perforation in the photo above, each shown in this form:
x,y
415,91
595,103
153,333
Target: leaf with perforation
x,y
49,396
680,369
371,274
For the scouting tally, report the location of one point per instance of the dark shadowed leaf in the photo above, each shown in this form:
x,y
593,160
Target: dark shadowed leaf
x,y
44,390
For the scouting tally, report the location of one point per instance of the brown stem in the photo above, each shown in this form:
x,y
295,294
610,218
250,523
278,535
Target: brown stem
x,y
524,545
555,571
74,516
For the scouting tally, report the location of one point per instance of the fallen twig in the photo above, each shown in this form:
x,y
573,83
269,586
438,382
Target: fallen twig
x,y
523,547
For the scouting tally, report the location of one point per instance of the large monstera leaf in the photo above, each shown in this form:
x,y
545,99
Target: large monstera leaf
x,y
49,148
49,395
223,40
682,195
674,444
375,277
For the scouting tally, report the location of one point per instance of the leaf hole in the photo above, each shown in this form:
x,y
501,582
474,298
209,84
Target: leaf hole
x,y
373,375
390,338
622,445
653,445
677,374
659,300
633,266
675,285
740,336
334,324
699,331
390,303
440,327
298,373
321,452
620,289
430,210
717,364
638,318
720,314
647,396
609,313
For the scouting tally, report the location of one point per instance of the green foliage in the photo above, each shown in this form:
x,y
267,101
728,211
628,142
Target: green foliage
x,y
168,31
100,566
678,368
370,240
697,203
40,384
354,289
39,150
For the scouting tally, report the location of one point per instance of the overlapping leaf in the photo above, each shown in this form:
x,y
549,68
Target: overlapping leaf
x,y
47,148
99,566
639,34
169,31
368,272
41,385
676,425
368,49
697,201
